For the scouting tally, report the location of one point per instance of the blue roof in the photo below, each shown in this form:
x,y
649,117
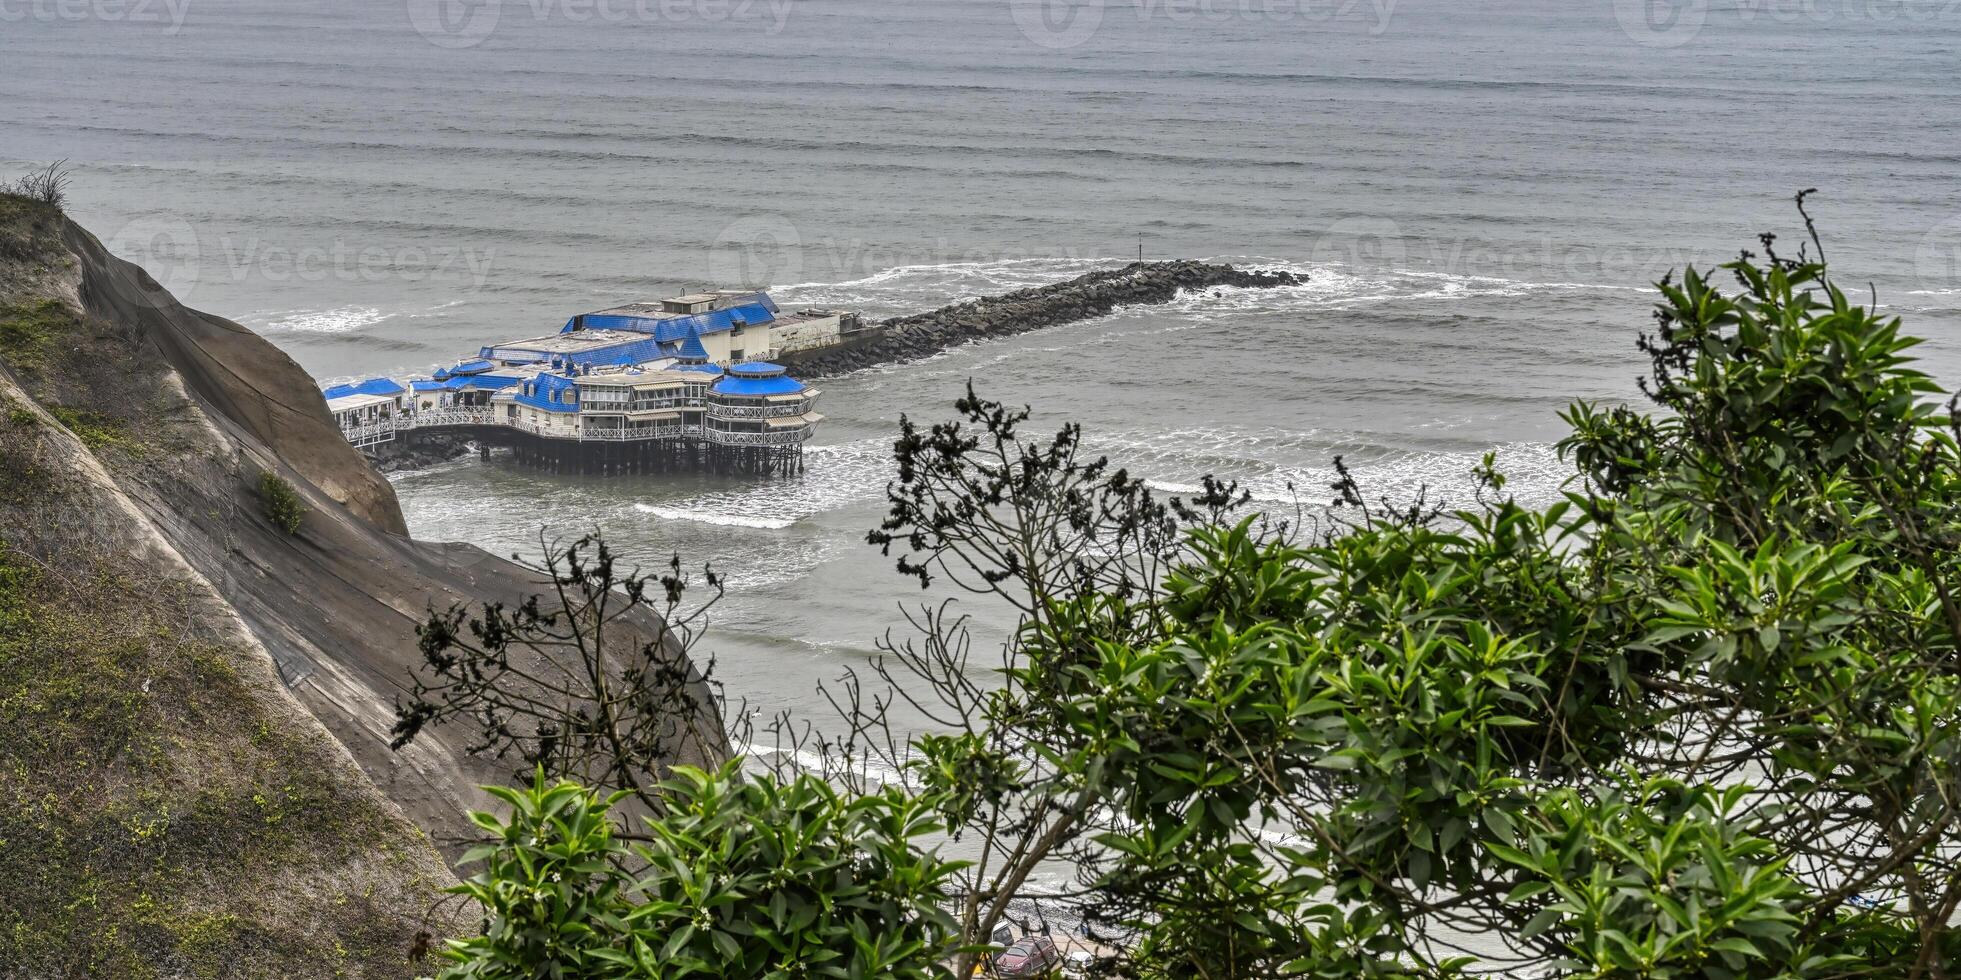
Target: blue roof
x,y
676,327
481,382
756,387
477,366
704,368
512,353
690,346
546,391
426,385
756,369
632,350
599,321
372,386
628,352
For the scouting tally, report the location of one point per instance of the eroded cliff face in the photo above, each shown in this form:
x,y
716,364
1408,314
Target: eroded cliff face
x,y
194,704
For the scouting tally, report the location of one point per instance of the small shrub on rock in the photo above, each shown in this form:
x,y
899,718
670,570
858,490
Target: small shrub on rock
x,y
283,505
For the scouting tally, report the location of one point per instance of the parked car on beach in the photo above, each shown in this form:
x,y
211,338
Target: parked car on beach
x,y
1029,956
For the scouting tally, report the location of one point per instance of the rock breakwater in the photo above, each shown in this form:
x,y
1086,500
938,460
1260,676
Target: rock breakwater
x,y
416,450
1084,297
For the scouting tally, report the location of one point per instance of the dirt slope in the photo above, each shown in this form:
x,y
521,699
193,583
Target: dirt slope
x,y
200,698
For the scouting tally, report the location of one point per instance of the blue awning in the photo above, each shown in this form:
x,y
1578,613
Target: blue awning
x,y
480,382
739,386
372,386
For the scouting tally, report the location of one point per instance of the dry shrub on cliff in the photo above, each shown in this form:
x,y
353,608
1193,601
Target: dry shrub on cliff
x,y
48,186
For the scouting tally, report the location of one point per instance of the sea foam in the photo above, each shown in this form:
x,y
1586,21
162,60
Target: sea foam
x,y
342,320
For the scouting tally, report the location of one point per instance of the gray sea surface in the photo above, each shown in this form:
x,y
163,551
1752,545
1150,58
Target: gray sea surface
x,y
1479,192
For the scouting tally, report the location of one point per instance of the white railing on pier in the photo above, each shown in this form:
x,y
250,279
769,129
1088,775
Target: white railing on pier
x,y
659,404
757,411
787,437
542,429
450,416
639,435
373,433
385,430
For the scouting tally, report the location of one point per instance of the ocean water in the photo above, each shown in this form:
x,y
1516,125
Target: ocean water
x,y
1479,193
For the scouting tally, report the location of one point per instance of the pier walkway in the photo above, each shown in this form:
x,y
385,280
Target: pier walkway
x,y
472,422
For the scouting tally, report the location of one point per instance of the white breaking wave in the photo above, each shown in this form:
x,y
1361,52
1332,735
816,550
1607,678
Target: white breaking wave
x,y
1533,474
1333,286
711,517
916,288
873,770
910,289
1280,469
834,477
342,320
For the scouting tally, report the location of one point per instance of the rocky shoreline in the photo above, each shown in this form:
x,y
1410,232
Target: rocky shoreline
x,y
1084,297
413,452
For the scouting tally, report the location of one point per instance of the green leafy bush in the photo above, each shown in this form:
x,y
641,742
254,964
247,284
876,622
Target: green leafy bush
x,y
1697,719
738,877
283,505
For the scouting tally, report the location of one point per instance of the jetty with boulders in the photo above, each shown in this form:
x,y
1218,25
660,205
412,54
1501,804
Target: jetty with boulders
x,y
1085,297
